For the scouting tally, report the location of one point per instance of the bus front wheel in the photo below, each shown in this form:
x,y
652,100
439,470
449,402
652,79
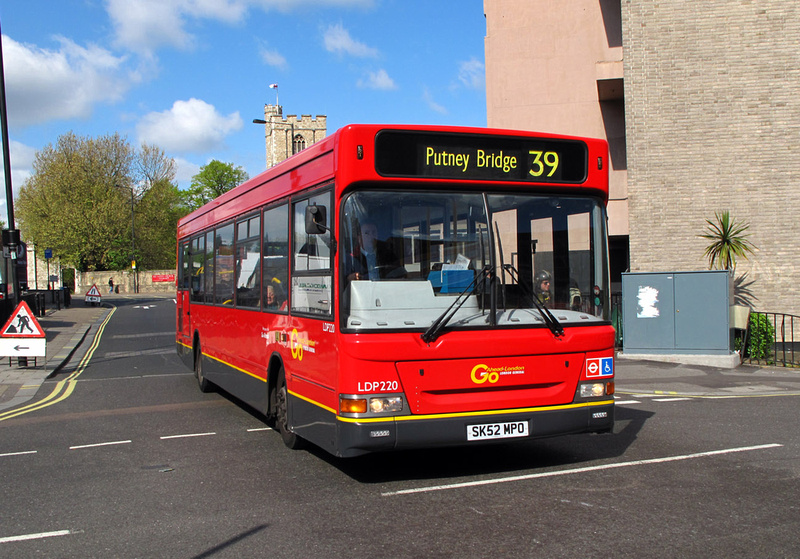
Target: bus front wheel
x,y
290,439
204,384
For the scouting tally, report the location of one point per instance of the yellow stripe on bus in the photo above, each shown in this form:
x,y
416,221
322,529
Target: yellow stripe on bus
x,y
235,367
450,415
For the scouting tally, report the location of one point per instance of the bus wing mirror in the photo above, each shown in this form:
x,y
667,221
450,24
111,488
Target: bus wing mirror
x,y
316,218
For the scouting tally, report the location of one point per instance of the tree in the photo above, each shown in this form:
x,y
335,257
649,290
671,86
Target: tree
x,y
728,241
78,201
160,209
214,179
70,204
153,166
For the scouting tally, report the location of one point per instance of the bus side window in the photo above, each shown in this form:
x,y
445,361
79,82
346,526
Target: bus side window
x,y
198,250
185,271
223,265
275,258
248,258
209,268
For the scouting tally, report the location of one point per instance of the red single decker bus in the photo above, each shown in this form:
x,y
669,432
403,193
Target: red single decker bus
x,y
395,287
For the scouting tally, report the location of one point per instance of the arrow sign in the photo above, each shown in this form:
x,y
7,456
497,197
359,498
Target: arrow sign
x,y
34,347
93,295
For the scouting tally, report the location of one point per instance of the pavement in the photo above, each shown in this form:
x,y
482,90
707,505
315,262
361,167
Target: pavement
x,y
67,328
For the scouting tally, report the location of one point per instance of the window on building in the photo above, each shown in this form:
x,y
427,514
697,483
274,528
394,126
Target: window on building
x,y
298,144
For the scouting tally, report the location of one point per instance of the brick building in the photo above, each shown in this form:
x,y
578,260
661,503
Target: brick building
x,y
701,107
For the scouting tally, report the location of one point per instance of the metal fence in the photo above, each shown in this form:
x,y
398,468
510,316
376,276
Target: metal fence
x,y
777,336
773,340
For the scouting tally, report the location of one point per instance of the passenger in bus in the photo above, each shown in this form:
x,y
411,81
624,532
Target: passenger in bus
x,y
273,299
542,287
372,259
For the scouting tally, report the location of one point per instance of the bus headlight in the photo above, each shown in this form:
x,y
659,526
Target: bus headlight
x,y
357,404
593,390
383,405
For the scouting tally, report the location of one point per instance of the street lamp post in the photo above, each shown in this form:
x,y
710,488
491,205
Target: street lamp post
x,y
133,250
133,243
11,236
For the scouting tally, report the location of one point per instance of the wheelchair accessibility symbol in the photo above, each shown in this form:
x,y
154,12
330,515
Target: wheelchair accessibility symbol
x,y
600,367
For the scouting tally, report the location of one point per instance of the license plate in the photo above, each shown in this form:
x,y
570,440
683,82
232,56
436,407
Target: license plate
x,y
497,430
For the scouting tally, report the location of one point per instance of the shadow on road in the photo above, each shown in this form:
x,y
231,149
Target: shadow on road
x,y
492,458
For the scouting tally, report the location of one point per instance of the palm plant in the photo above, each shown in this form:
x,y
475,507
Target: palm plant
x,y
728,241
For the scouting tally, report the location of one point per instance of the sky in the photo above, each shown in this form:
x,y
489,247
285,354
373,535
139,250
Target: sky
x,y
189,76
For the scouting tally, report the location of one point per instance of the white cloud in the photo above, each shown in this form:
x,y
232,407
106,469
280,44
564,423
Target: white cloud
x,y
338,40
273,58
472,74
377,80
145,25
184,171
432,105
189,126
44,85
22,158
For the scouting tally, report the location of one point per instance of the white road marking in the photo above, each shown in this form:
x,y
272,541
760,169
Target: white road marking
x,y
35,536
98,444
625,402
260,429
186,436
19,453
579,470
670,399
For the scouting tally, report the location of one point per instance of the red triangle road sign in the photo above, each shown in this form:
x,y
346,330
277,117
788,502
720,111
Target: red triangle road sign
x,y
93,291
22,324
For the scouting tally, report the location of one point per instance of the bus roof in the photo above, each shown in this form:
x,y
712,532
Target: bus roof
x,y
350,151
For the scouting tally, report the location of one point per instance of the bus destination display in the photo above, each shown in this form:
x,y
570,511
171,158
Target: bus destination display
x,y
476,157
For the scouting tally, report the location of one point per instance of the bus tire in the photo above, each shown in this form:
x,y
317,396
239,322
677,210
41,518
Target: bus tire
x,y
202,382
290,438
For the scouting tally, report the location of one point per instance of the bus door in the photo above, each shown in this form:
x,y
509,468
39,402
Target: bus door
x,y
184,326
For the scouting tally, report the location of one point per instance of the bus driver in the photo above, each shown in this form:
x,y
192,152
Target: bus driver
x,y
372,259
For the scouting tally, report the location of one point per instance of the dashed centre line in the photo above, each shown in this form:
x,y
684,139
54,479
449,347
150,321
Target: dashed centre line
x,y
18,453
110,443
188,435
38,536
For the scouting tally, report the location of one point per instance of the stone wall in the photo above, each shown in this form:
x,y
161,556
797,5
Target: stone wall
x,y
712,105
151,281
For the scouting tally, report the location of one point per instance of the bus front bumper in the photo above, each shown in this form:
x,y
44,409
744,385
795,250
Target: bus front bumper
x,y
356,437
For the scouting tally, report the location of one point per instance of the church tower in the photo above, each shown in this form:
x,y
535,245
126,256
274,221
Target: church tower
x,y
288,135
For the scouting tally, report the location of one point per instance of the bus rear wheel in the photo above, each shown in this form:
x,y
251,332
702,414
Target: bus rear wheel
x,y
204,384
290,438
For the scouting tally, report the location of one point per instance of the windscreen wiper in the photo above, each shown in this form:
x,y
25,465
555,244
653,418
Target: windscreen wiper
x,y
551,321
438,325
